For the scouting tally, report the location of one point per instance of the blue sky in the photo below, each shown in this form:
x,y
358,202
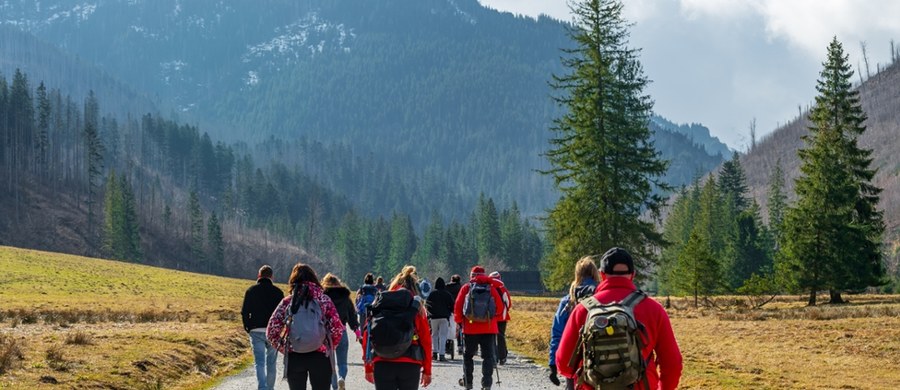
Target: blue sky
x,y
725,62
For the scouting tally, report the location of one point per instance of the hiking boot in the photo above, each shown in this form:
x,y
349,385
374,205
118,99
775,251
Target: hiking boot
x,y
502,362
341,384
442,358
462,382
434,356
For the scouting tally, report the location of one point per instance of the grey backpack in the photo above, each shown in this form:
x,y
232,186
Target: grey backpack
x,y
307,327
610,343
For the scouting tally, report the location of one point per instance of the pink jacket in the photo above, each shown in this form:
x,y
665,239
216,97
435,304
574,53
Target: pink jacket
x,y
276,330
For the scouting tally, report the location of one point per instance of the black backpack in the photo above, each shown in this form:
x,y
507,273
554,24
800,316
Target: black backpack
x,y
392,325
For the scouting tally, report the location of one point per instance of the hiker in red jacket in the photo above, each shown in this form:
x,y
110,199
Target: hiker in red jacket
x,y
660,350
502,351
477,310
413,367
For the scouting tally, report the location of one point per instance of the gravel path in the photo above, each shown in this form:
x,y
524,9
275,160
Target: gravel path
x,y
517,374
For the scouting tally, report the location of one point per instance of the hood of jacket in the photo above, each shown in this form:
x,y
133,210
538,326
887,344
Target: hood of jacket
x,y
439,284
339,292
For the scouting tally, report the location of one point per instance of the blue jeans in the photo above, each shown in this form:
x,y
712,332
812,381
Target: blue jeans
x,y
341,356
264,356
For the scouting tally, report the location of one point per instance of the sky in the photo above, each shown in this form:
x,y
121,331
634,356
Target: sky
x,y
724,63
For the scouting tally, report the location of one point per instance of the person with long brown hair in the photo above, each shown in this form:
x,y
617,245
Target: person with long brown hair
x,y
305,328
587,275
398,366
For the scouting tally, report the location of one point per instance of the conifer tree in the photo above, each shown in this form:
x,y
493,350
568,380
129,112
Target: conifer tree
x,y
733,183
43,128
602,158
833,233
403,243
195,218
697,272
777,202
488,233
512,236
93,147
215,244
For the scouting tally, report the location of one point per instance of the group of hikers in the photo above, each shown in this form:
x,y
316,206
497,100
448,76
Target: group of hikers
x,y
605,335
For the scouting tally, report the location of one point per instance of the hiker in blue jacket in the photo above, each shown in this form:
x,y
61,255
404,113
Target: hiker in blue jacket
x,y
586,276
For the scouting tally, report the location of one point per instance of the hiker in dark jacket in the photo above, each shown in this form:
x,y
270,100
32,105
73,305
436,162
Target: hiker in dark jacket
x,y
340,295
379,284
364,297
453,331
583,286
440,307
260,301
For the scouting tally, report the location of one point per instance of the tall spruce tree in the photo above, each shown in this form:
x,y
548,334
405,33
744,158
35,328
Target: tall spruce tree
x,y
733,183
833,234
777,203
602,158
215,244
195,218
93,148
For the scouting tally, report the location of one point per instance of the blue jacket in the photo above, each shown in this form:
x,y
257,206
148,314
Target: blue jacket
x,y
560,319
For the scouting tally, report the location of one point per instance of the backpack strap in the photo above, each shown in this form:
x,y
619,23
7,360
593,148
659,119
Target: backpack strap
x,y
632,300
588,303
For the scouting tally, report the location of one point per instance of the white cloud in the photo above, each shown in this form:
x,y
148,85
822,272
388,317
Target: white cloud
x,y
810,24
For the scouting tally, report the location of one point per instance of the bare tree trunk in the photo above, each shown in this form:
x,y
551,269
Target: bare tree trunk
x,y
836,296
812,297
862,45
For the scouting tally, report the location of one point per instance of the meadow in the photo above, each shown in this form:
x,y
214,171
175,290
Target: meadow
x,y
74,322
783,345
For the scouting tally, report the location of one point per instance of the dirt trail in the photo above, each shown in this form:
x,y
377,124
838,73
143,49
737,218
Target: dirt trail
x,y
517,374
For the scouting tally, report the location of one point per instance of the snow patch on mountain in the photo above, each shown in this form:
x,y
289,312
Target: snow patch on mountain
x,y
468,18
309,36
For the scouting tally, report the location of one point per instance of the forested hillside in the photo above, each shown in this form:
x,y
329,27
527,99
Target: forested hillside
x,y
151,190
449,97
881,104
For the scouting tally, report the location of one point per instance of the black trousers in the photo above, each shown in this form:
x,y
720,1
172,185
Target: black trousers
x,y
396,376
486,343
502,352
312,365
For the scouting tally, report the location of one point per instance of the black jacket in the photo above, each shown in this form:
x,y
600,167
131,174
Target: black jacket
x,y
345,307
260,301
440,302
453,289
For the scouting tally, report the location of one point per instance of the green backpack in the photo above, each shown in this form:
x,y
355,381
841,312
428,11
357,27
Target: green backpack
x,y
609,345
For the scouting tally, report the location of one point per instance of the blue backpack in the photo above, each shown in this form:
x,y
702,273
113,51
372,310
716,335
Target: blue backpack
x,y
365,298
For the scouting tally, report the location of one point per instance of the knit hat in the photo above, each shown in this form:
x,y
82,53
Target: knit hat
x,y
477,270
614,257
495,275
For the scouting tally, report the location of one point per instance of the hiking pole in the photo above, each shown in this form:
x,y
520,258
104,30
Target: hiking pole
x,y
462,339
496,361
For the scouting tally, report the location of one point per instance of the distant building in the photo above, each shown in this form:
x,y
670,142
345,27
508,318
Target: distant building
x,y
523,281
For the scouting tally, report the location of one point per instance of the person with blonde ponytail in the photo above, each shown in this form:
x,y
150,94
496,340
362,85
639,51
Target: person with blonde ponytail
x,y
397,340
587,275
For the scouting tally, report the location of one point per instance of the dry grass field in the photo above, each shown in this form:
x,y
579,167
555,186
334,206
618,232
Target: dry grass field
x,y
74,322
782,346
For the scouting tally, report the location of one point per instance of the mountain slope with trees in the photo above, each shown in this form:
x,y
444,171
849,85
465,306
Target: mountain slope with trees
x,y
447,92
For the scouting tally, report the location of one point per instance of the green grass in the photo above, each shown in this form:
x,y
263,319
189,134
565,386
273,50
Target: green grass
x,y
90,323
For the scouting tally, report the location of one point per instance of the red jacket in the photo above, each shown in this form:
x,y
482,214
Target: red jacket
x,y
660,348
507,302
470,327
422,337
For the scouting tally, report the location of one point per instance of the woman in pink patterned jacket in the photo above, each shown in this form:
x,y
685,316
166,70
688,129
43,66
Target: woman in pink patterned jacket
x,y
316,365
